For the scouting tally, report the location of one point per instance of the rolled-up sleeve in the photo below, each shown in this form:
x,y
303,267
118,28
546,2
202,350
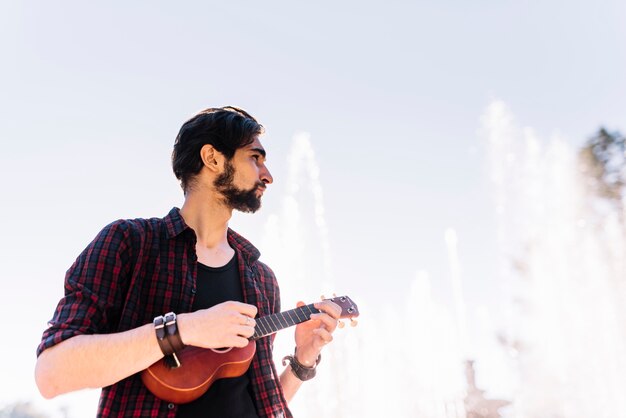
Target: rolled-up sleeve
x,y
93,288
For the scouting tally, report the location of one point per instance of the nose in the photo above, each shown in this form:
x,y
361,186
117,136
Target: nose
x,y
266,176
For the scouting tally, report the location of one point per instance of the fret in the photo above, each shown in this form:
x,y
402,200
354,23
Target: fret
x,y
262,326
275,328
268,326
298,312
287,319
284,324
311,312
272,323
293,321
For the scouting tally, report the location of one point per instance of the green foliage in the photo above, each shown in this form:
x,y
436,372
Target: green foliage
x,y
603,162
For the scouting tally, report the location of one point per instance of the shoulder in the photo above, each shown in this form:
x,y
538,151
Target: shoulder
x,y
267,279
140,225
269,284
265,271
128,232
119,230
136,226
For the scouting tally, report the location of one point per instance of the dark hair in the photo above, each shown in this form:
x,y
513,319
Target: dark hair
x,y
227,128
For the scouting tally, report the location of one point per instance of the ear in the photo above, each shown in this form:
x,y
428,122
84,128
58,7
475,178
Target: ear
x,y
211,158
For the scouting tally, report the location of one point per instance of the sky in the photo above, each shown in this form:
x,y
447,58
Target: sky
x,y
391,94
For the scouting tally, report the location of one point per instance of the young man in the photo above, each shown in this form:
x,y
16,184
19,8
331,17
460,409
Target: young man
x,y
102,333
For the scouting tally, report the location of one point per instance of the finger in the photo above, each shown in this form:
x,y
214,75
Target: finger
x,y
246,309
330,307
239,342
324,336
328,322
245,331
246,320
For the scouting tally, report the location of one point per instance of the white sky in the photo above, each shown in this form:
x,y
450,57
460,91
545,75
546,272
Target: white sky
x,y
91,98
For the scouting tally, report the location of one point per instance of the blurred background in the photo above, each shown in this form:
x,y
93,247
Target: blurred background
x,y
456,168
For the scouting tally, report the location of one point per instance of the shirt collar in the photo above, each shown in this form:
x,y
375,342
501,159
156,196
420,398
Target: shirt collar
x,y
239,243
174,223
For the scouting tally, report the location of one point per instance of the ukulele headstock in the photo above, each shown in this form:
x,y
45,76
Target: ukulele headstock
x,y
348,309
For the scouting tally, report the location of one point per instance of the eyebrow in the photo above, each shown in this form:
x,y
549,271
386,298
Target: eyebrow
x,y
259,150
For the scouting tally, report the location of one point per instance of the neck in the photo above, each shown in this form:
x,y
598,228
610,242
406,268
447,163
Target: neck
x,y
270,324
208,217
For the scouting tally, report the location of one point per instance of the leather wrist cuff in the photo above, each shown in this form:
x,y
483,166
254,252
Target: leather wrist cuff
x,y
159,330
171,332
168,338
301,371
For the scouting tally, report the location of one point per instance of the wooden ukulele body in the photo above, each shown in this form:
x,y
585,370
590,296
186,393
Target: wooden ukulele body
x,y
199,368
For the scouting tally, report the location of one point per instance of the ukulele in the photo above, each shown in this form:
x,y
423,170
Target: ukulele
x,y
199,367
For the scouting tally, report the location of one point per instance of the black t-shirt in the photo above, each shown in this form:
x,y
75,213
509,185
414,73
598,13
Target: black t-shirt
x,y
229,397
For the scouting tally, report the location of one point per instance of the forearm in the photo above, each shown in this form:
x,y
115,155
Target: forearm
x,y
290,383
310,338
93,361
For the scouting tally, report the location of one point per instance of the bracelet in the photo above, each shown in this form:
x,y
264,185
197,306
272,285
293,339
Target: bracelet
x,y
159,330
301,371
168,338
172,334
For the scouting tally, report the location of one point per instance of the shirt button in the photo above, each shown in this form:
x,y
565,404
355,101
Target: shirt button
x,y
193,291
171,406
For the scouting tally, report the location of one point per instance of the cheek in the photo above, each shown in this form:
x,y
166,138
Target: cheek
x,y
246,174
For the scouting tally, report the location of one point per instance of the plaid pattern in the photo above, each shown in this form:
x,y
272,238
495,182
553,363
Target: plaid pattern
x,y
137,269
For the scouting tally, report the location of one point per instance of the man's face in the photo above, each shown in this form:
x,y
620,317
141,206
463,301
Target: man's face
x,y
244,178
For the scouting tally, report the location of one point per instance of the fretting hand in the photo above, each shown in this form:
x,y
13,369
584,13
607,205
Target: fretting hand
x,y
313,335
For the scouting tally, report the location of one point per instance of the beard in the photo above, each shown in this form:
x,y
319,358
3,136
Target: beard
x,y
240,199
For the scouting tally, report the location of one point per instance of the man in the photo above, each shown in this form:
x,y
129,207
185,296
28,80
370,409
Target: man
x,y
106,328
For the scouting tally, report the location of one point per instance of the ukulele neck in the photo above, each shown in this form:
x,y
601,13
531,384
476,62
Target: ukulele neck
x,y
270,324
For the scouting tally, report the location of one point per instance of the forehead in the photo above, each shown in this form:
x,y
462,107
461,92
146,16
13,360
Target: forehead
x,y
255,145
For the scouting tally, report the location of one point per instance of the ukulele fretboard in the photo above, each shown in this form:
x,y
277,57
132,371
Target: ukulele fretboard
x,y
270,324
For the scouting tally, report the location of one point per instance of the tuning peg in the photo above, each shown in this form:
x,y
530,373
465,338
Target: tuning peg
x,y
353,322
334,295
340,324
323,297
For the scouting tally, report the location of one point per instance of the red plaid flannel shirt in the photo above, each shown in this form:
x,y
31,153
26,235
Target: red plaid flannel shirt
x,y
137,269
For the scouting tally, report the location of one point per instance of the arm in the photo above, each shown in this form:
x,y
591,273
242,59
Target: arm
x,y
91,361
290,383
310,337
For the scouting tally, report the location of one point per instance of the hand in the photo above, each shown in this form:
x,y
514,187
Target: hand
x,y
313,335
227,324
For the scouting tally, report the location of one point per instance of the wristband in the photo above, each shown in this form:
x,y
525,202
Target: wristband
x,y
164,344
171,332
159,330
301,371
